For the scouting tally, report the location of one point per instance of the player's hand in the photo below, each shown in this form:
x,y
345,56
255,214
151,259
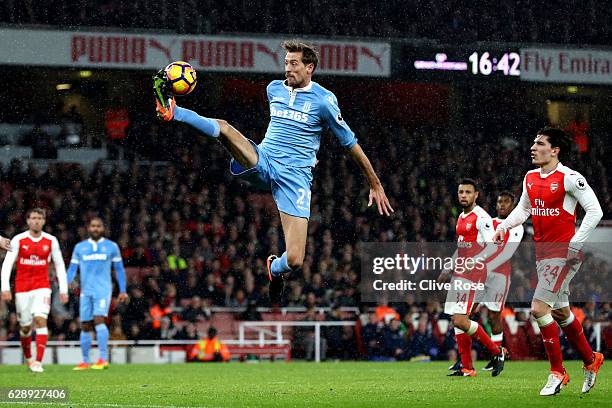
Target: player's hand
x,y
123,297
498,237
573,257
5,244
377,195
7,296
63,298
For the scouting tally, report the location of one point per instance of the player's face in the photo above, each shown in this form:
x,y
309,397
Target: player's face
x,y
504,206
36,222
95,229
542,151
467,195
296,72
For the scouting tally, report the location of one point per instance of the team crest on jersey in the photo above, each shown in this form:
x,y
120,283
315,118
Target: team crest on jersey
x,y
45,247
468,226
554,187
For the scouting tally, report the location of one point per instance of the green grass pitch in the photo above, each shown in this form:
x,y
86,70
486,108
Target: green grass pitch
x,y
299,384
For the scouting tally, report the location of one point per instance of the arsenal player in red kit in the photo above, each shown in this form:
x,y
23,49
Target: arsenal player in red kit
x,y
474,241
550,195
32,250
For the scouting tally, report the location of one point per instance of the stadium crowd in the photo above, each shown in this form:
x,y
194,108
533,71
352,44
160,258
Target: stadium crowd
x,y
198,238
460,21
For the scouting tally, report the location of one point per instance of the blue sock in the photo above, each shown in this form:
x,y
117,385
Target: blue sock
x,y
280,265
85,345
209,127
102,336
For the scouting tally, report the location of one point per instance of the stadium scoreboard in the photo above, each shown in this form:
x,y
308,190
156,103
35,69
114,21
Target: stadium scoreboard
x,y
465,62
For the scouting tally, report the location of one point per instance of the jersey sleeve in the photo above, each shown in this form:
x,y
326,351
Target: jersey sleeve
x,y
577,187
7,265
484,224
515,236
119,268
74,264
335,122
521,212
60,267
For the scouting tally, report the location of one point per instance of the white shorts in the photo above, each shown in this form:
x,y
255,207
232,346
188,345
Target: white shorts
x,y
459,301
36,303
496,291
554,278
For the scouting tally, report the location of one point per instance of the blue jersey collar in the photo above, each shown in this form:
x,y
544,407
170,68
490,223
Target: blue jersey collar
x,y
304,89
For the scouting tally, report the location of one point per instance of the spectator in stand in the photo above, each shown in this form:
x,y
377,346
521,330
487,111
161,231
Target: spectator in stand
x,y
372,337
394,341
423,344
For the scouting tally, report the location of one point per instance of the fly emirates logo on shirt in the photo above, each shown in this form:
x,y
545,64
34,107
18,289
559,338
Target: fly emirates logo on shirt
x,y
540,210
33,260
289,114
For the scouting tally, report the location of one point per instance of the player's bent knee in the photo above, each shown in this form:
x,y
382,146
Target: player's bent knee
x,y
25,331
461,322
86,326
561,314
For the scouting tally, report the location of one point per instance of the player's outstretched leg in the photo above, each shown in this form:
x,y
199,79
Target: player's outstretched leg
x,y
575,335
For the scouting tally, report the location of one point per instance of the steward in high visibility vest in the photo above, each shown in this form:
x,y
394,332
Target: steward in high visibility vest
x,y
209,349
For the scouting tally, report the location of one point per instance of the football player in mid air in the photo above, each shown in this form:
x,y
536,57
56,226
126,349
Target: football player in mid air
x,y
300,109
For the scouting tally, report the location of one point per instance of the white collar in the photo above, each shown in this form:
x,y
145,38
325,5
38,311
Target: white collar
x,y
559,167
304,89
36,239
463,215
95,242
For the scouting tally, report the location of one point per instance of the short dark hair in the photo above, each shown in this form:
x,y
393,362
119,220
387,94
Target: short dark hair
x,y
309,53
507,193
557,138
212,332
470,182
96,218
36,210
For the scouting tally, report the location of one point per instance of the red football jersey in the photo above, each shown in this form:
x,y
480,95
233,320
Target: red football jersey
x,y
474,230
32,256
551,201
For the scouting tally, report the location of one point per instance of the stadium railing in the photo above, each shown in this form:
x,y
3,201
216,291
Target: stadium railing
x,y
262,328
146,351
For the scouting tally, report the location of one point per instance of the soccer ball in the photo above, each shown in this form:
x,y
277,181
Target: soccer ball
x,y
181,77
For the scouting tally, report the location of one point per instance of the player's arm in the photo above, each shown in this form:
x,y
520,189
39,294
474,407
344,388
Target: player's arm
x,y
120,273
510,247
377,192
576,186
74,265
5,243
60,269
7,268
485,236
518,216
334,120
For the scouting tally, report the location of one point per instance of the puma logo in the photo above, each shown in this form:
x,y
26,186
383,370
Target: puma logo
x,y
153,43
376,57
264,48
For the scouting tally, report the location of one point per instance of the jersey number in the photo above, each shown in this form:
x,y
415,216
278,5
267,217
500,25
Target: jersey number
x,y
300,200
